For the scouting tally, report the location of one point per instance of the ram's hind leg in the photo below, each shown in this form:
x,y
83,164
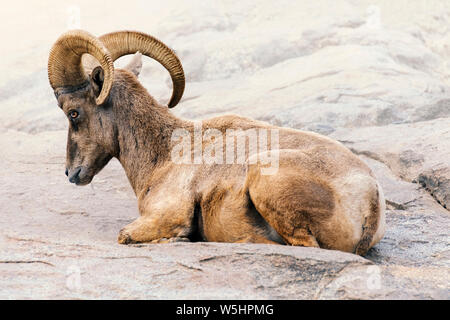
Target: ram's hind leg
x,y
296,204
302,237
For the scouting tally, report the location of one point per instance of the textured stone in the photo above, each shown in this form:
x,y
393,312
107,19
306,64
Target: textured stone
x,y
417,152
374,76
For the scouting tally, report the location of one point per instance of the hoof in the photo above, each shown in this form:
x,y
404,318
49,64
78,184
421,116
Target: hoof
x,y
171,240
125,238
162,240
178,239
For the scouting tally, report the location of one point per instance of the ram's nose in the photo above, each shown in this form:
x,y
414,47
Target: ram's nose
x,y
67,172
74,175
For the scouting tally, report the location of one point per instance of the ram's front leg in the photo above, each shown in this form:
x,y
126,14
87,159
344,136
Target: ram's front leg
x,y
156,229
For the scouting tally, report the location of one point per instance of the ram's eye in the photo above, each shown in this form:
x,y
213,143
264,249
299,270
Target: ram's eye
x,y
73,114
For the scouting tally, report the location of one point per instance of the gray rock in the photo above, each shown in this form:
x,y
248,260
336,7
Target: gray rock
x,y
416,152
372,76
437,182
58,241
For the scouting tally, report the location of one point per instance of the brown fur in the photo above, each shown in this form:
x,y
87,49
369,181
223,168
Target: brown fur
x,y
304,203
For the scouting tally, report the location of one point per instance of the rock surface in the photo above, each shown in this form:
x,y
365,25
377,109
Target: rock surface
x,y
371,74
416,152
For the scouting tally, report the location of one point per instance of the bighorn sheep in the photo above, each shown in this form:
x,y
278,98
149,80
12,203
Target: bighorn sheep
x,y
321,195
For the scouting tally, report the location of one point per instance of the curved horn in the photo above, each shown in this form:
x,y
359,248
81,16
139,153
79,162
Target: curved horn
x,y
129,42
64,64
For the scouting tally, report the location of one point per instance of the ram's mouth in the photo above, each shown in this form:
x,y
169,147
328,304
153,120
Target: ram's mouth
x,y
84,181
81,176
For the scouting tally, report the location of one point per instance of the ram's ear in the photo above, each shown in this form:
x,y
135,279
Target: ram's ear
x,y
135,65
97,78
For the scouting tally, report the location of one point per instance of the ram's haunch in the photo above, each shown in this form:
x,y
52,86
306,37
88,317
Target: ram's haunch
x,y
319,194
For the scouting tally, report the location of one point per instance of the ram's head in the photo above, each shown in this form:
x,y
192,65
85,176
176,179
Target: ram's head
x,y
89,98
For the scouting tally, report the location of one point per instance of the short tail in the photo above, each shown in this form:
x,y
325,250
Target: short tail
x,y
370,224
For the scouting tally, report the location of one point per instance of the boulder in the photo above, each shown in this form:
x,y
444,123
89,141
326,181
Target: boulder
x,y
58,241
416,152
373,76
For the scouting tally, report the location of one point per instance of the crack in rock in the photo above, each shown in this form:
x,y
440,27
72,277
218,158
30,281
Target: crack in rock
x,y
27,261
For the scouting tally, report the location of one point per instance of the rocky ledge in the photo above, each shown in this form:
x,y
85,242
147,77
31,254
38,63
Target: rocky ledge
x,y
371,74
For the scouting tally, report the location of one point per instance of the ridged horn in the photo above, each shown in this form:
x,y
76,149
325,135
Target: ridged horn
x,y
129,42
65,69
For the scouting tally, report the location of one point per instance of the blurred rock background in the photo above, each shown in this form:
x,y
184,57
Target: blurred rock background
x,y
374,75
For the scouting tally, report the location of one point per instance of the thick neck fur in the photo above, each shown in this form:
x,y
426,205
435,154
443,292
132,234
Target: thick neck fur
x,y
143,129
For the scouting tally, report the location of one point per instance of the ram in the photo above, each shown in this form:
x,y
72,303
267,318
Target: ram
x,y
314,192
